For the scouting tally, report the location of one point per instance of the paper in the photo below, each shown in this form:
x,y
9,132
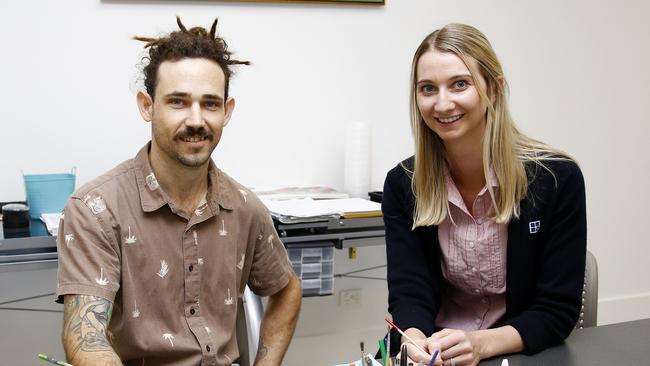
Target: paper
x,y
360,363
310,210
51,221
316,192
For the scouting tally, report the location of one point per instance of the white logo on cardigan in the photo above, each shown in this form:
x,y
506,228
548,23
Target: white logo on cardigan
x,y
534,226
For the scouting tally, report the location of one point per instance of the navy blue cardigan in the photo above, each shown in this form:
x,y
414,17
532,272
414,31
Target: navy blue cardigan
x,y
545,268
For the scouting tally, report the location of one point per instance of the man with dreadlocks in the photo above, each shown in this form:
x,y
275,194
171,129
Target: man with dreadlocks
x,y
154,254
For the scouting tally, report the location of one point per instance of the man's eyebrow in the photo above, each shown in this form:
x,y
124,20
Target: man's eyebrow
x,y
212,97
177,94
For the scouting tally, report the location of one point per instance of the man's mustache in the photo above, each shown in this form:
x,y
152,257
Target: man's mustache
x,y
190,132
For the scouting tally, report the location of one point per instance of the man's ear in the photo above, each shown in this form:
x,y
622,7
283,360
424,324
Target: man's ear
x,y
229,107
145,105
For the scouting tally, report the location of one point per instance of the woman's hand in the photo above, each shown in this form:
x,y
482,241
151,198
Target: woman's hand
x,y
414,353
459,348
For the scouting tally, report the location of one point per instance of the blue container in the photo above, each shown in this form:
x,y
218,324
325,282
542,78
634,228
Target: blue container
x,y
48,193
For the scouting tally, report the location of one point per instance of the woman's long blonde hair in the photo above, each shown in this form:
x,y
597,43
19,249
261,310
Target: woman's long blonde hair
x,y
504,148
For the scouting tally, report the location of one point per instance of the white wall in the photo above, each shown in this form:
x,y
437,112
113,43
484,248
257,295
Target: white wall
x,y
578,72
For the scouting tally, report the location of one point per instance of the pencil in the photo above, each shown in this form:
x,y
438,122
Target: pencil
x,y
50,359
407,337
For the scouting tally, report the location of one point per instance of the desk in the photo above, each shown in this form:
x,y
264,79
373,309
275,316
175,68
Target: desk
x,y
37,328
616,344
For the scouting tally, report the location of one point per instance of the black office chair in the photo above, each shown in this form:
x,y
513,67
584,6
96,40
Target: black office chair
x,y
589,308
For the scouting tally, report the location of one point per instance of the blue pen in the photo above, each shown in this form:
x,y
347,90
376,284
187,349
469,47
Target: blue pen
x,y
433,359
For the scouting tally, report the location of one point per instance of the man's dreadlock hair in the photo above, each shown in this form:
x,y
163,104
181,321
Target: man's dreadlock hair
x,y
193,43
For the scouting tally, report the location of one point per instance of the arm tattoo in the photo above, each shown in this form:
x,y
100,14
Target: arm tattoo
x,y
262,350
85,323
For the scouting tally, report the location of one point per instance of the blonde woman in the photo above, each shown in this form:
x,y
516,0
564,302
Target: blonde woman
x,y
485,227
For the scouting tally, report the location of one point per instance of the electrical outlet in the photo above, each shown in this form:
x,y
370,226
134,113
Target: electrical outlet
x,y
350,298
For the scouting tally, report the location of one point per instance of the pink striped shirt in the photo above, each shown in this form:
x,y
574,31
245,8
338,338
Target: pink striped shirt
x,y
473,258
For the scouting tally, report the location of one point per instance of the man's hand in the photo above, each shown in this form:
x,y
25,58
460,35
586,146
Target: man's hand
x,y
279,323
85,336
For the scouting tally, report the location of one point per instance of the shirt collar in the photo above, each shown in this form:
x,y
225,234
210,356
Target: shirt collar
x,y
453,195
221,193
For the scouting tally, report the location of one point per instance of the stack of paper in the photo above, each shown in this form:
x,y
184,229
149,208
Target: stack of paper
x,y
310,210
51,221
286,193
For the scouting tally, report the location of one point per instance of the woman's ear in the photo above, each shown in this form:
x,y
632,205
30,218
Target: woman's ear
x,y
498,88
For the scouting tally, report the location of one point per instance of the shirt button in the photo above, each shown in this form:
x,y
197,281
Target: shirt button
x,y
207,348
471,244
477,321
477,290
191,268
473,269
192,311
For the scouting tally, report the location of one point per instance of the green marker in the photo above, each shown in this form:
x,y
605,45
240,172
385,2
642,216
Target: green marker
x,y
50,359
382,349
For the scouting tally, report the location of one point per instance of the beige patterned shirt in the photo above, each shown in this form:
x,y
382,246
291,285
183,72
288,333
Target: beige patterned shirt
x,y
174,277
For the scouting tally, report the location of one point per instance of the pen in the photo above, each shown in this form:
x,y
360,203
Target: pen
x,y
50,359
433,359
407,337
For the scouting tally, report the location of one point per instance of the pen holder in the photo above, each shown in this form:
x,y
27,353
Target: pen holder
x,y
48,193
15,220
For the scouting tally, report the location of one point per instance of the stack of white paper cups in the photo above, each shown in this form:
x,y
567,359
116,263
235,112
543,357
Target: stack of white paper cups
x,y
357,159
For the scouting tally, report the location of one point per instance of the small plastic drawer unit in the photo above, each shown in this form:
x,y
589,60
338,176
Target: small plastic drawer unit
x,y
315,268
